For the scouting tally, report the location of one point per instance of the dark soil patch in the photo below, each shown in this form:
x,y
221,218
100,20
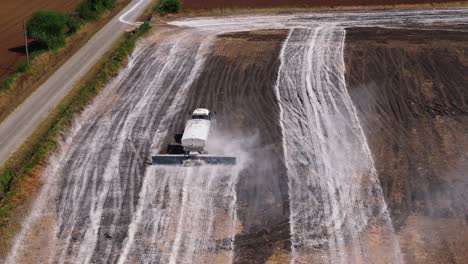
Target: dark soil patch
x,y
409,87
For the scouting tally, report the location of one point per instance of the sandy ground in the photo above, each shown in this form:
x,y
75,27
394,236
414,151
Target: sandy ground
x,y
12,15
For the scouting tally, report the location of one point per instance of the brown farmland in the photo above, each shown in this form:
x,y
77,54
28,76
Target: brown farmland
x,y
12,14
272,91
208,4
408,88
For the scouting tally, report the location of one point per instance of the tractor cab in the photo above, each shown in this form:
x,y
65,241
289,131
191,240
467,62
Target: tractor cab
x,y
201,113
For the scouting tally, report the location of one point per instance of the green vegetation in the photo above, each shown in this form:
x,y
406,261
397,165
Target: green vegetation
x,y
47,28
9,80
22,66
36,150
90,10
163,7
51,28
73,23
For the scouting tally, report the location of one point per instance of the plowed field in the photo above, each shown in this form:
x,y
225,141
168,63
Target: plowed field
x,y
207,4
349,129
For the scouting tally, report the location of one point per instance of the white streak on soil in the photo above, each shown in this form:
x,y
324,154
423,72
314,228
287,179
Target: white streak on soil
x,y
332,179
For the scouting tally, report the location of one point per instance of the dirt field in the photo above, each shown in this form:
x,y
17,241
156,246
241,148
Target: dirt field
x,y
207,4
264,221
404,85
408,86
12,14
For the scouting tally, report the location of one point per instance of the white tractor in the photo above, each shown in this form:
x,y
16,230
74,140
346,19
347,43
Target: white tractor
x,y
193,144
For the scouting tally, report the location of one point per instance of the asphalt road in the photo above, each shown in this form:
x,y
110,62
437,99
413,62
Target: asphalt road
x,y
26,118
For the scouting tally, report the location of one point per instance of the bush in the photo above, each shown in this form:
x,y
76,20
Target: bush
x,y
73,23
108,4
89,10
145,27
47,28
167,6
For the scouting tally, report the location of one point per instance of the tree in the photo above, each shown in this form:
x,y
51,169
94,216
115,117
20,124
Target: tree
x,y
89,10
167,6
47,28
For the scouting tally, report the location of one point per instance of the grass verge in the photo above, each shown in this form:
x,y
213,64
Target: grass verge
x,y
20,177
21,84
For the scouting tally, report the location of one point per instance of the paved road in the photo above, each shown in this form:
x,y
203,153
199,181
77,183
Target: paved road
x,y
25,119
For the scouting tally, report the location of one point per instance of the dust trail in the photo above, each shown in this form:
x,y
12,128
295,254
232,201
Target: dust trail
x,y
194,208
186,216
334,190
